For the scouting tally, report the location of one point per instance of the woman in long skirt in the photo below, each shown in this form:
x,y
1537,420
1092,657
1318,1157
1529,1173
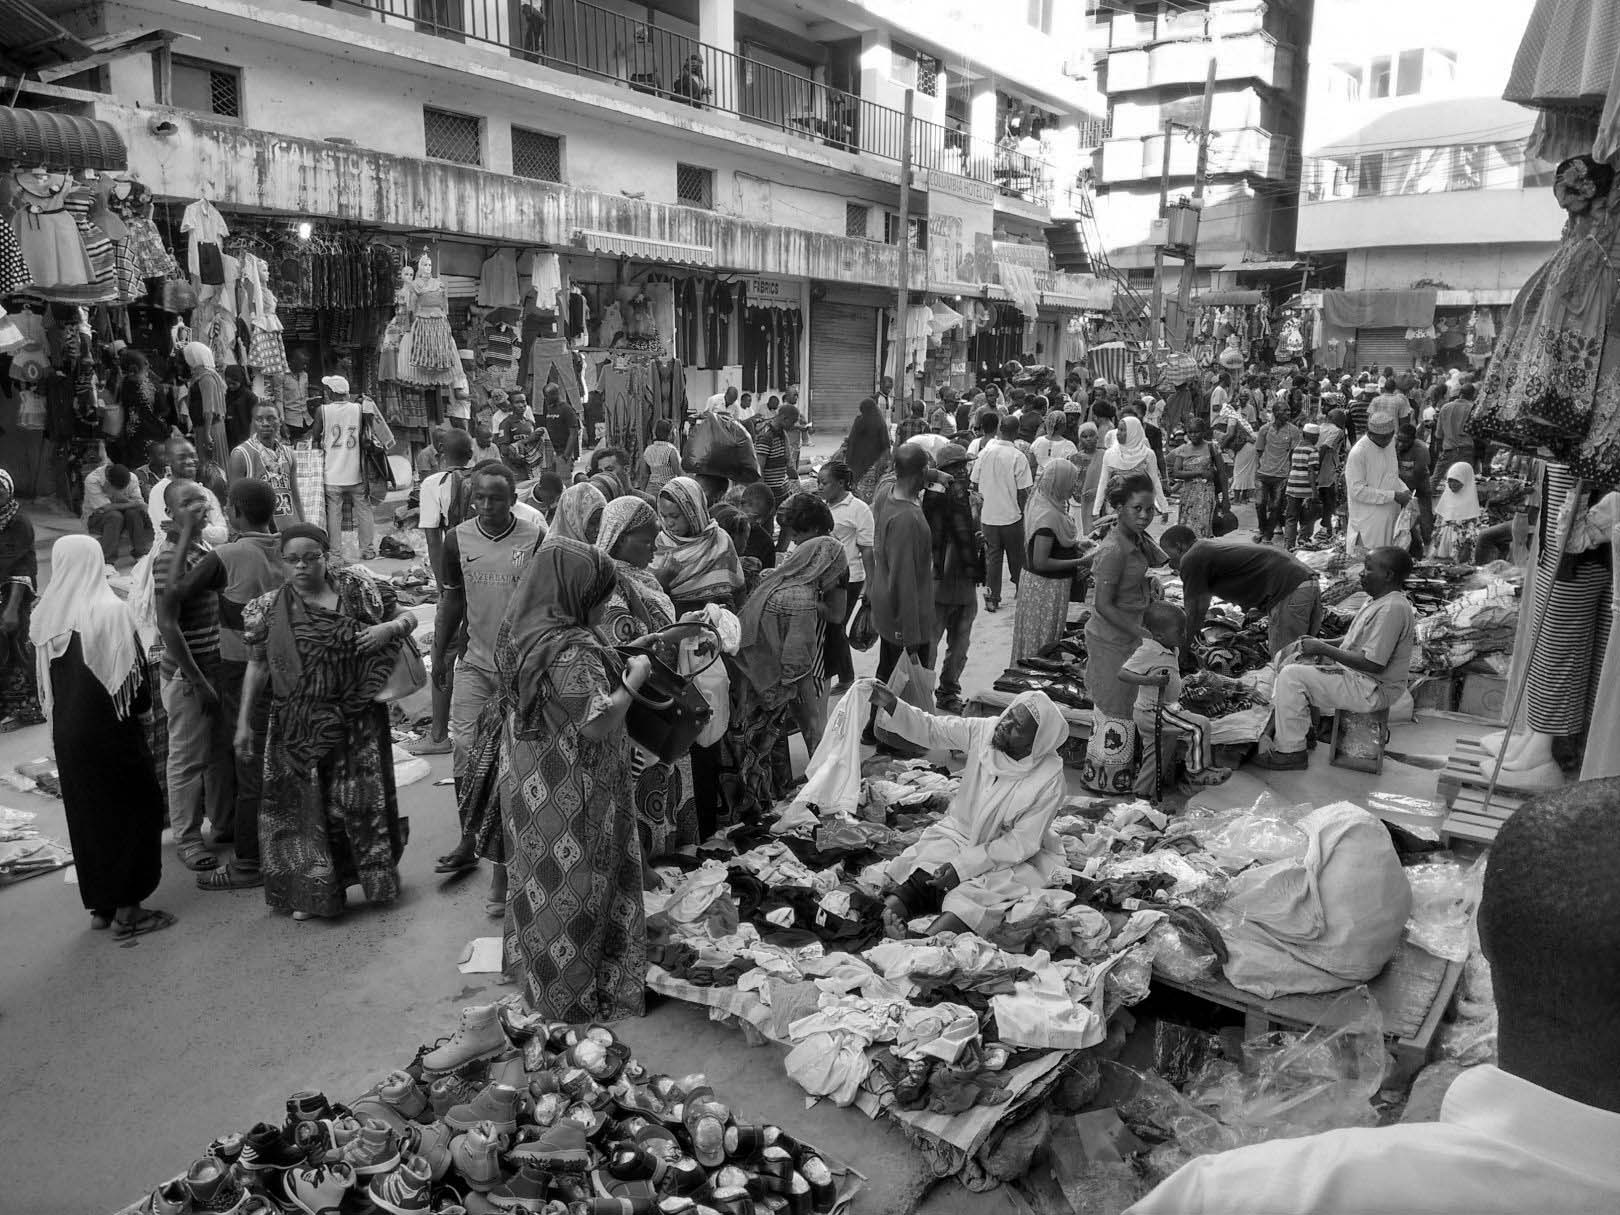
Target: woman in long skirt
x,y
94,679
575,925
1196,464
1052,558
326,642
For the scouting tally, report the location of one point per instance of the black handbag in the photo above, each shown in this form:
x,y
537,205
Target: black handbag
x,y
374,456
669,711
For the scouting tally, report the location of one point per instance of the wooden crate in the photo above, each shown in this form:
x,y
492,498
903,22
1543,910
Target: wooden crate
x,y
1358,740
1461,786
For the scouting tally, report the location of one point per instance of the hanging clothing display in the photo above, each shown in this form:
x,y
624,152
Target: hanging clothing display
x,y
498,281
49,239
770,356
205,227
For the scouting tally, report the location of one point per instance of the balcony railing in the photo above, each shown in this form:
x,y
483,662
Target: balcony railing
x,y
1392,172
581,38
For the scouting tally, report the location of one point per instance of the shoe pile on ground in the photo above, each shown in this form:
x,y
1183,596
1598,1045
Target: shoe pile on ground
x,y
512,1113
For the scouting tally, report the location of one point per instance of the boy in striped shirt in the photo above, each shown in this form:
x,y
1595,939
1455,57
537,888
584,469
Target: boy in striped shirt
x,y
1304,462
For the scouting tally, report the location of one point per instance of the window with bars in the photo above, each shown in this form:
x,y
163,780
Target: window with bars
x,y
928,69
857,217
454,137
536,155
918,228
694,186
205,86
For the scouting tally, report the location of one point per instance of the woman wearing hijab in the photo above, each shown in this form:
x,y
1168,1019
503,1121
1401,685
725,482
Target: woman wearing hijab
x,y
575,928
93,676
1457,516
207,405
1052,557
19,573
663,792
696,561
867,449
1087,459
779,662
1052,445
326,643
1131,453
995,845
579,514
608,485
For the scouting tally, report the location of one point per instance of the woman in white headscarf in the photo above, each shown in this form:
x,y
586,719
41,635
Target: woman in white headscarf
x,y
207,406
995,846
93,685
1457,516
1130,454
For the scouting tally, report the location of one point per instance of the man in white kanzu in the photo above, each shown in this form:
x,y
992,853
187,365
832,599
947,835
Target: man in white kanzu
x,y
1373,488
1538,1130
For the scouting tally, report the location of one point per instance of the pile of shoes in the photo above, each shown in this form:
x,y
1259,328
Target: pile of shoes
x,y
512,1113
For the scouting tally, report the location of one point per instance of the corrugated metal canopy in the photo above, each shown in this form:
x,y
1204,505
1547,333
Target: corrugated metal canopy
x,y
29,39
40,137
1242,267
1435,124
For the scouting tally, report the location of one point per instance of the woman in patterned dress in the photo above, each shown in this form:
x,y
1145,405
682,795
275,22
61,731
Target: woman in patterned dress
x,y
639,606
575,927
19,575
326,643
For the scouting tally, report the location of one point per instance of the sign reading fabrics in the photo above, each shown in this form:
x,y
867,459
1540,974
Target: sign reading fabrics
x,y
774,290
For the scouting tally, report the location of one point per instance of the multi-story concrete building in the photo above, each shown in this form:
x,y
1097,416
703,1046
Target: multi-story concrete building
x,y
744,154
1416,174
1152,61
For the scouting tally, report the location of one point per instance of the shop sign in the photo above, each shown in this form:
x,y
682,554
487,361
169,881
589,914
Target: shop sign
x,y
779,290
961,187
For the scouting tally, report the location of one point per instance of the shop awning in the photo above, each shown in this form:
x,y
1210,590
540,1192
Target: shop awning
x,y
1229,299
1255,267
616,244
1434,124
1378,309
64,141
1095,296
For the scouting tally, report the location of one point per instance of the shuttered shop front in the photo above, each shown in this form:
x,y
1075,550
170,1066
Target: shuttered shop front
x,y
1382,348
843,362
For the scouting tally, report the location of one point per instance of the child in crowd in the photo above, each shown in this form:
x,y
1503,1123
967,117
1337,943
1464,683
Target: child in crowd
x,y
1304,464
913,425
484,444
1160,720
660,461
1458,517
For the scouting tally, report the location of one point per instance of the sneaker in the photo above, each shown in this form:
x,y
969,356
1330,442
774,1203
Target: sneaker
x,y
227,1149
265,1147
479,1036
404,1191
496,1104
325,1140
374,1150
307,1106
526,1191
212,1186
396,1100
318,1189
477,1156
170,1198
560,1147
431,1142
447,1092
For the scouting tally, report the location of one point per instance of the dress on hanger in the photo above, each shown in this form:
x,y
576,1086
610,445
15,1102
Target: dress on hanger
x,y
433,348
48,236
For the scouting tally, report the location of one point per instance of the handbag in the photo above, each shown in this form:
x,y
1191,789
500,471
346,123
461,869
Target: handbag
x,y
1223,522
670,710
409,674
863,633
374,456
177,295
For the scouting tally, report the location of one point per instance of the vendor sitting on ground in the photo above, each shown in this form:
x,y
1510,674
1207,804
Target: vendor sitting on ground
x,y
1366,673
1255,577
1534,1132
995,846
1160,720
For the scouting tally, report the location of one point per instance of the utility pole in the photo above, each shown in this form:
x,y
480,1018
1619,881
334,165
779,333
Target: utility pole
x,y
1154,313
1189,263
897,333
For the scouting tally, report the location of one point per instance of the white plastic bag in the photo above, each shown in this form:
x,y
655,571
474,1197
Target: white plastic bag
x,y
913,683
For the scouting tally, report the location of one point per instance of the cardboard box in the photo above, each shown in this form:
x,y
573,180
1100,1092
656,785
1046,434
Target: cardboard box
x,y
1484,696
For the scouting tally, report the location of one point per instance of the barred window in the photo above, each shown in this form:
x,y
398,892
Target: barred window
x,y
536,155
694,186
856,218
453,137
928,75
207,87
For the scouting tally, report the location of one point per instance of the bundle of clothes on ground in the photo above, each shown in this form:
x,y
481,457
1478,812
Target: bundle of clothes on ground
x,y
511,1113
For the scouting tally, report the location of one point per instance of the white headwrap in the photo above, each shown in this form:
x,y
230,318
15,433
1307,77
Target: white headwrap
x,y
77,600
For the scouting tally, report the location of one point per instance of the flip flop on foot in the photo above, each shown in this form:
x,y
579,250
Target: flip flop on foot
x,y
146,920
459,861
197,858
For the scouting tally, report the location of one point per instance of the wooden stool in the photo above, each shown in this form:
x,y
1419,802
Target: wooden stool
x,y
1358,740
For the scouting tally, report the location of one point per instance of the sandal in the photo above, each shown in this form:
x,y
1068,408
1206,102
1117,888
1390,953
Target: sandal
x,y
197,858
229,877
1208,778
149,919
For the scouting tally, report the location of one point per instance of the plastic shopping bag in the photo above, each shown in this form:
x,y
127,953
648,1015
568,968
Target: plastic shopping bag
x,y
719,446
309,465
914,684
862,632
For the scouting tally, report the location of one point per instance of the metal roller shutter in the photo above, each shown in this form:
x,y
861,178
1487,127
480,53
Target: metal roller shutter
x,y
1383,348
843,363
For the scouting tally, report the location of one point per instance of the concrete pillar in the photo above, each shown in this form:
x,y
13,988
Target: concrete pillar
x,y
1065,165
717,24
982,130
879,132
